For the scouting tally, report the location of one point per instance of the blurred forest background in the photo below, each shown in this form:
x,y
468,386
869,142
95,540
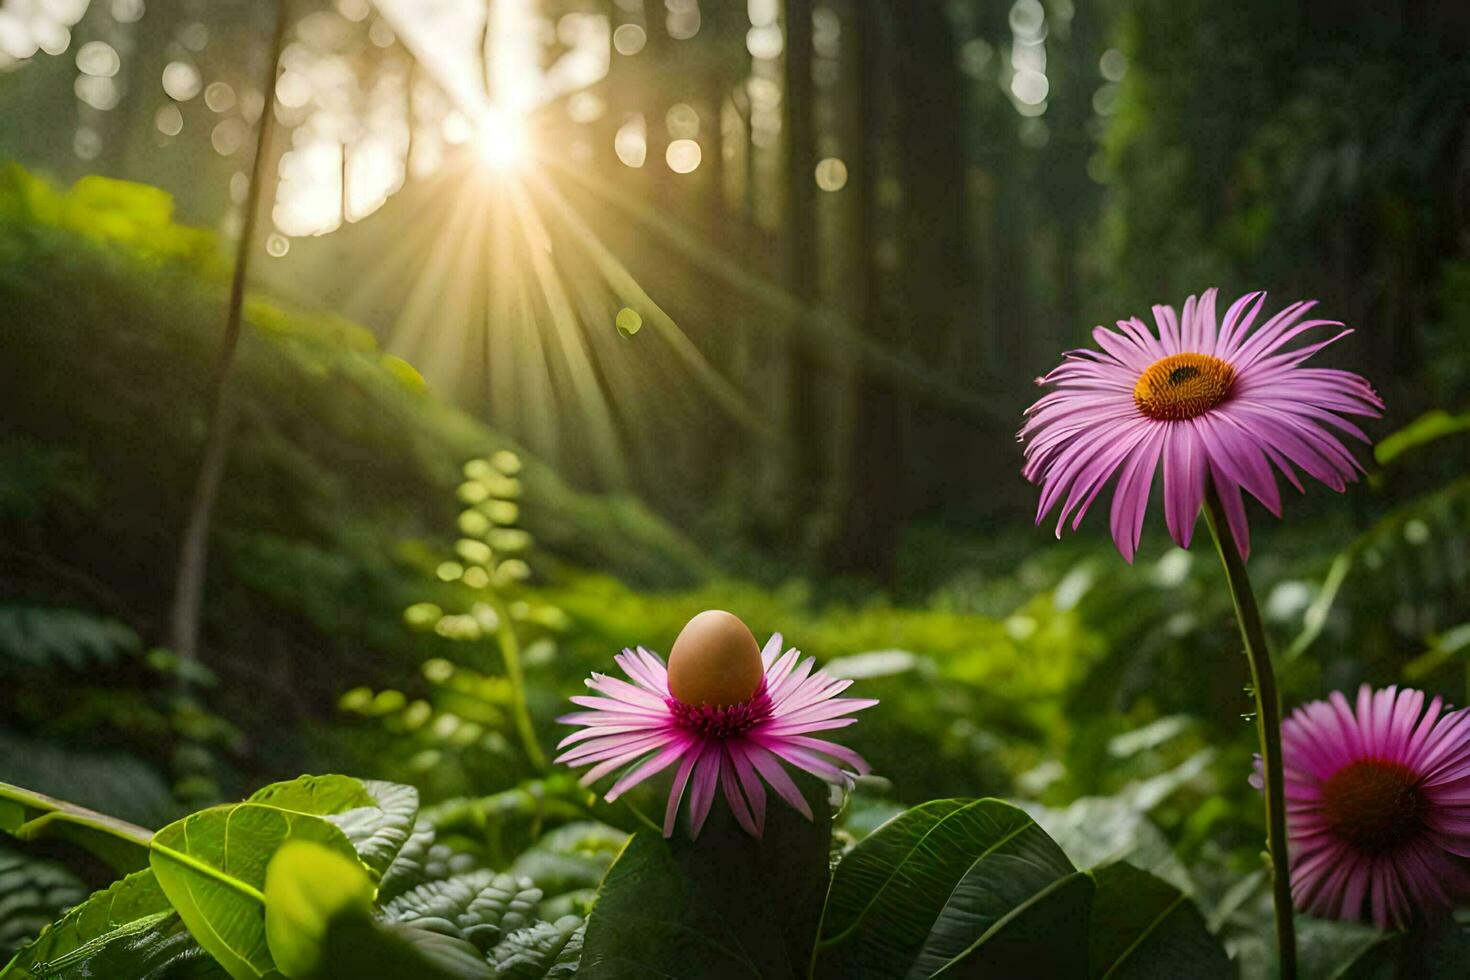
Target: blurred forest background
x,y
570,318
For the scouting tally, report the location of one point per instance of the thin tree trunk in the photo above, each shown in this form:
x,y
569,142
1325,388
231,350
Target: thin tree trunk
x,y
804,424
188,598
872,502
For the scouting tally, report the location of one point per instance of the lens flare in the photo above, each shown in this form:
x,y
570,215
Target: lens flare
x,y
501,141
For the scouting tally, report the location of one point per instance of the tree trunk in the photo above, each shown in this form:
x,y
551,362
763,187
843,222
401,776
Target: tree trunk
x,y
872,501
805,444
188,599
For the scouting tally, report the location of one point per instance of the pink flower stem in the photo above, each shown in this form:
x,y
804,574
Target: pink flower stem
x,y
1268,724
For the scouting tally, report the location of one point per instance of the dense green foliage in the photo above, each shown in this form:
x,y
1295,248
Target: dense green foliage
x,y
1052,678
312,878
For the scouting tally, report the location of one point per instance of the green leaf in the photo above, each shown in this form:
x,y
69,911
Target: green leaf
x,y
212,866
547,949
480,906
378,817
1046,936
989,897
1341,950
132,907
115,783
358,948
1354,951
410,865
33,893
28,815
1432,425
724,905
46,636
1143,927
379,830
164,951
571,857
923,888
307,887
318,795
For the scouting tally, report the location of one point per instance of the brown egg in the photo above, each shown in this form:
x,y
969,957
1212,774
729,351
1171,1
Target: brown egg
x,y
715,661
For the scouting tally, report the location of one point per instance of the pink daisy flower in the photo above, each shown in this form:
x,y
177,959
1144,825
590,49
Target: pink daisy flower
x,y
739,713
1226,404
1378,806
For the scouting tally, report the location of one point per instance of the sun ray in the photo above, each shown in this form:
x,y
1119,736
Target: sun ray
x,y
632,294
587,390
439,196
408,337
833,337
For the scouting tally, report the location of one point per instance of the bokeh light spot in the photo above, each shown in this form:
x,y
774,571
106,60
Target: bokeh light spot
x,y
629,39
219,97
181,81
169,120
831,174
98,58
683,156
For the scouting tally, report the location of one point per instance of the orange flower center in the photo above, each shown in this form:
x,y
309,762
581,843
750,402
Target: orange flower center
x,y
1374,805
1182,386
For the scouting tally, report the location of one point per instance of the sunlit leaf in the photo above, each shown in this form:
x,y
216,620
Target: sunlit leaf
x,y
307,887
212,867
317,795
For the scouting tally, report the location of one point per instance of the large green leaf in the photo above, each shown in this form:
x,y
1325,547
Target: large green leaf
x,y
318,795
1143,927
128,929
1045,936
725,905
378,817
307,887
212,867
29,815
992,900
921,890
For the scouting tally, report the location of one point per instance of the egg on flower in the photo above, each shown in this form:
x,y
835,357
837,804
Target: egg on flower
x,y
715,661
